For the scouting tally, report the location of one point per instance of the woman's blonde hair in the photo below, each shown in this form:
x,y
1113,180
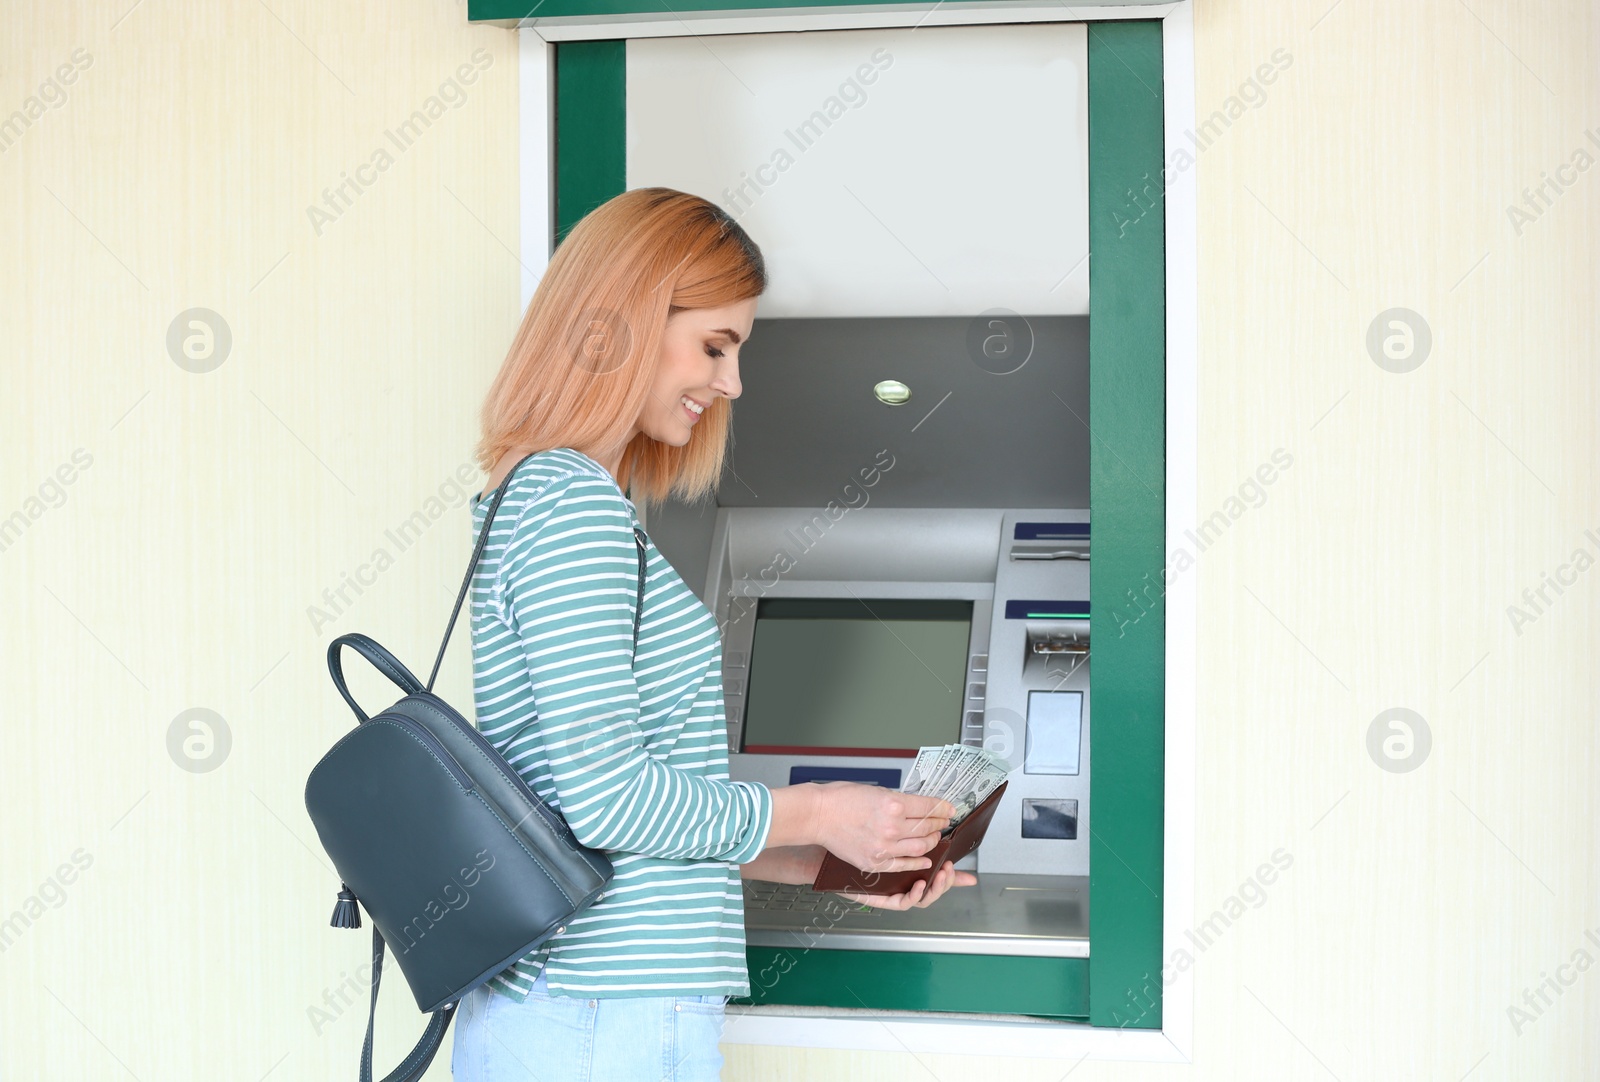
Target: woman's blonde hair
x,y
580,369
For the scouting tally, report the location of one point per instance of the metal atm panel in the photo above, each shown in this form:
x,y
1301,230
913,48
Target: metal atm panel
x,y
1038,701
1025,657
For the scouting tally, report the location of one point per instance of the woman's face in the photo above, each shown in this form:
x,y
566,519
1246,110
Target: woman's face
x,y
699,361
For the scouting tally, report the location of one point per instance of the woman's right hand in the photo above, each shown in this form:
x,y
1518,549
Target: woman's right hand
x,y
877,829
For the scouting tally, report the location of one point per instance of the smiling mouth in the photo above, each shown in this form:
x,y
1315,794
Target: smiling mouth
x,y
691,407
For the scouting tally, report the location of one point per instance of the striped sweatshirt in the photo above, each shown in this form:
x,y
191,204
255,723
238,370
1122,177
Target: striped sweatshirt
x,y
633,753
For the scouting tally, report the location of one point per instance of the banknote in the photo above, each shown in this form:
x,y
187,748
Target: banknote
x,y
918,774
949,755
963,776
957,773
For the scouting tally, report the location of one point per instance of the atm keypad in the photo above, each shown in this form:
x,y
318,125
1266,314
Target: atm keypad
x,y
790,897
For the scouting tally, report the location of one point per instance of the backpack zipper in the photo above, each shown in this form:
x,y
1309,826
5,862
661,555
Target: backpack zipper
x,y
434,744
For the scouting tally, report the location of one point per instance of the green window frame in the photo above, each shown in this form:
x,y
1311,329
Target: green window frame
x,y
1119,984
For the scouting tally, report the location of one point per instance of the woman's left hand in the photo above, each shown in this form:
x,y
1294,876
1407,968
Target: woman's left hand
x,y
923,893
800,864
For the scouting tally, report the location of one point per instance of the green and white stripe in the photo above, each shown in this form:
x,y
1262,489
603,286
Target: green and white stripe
x,y
635,756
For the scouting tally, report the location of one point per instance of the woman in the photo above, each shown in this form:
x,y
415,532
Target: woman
x,y
620,378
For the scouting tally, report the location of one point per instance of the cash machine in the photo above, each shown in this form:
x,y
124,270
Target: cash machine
x,y
897,570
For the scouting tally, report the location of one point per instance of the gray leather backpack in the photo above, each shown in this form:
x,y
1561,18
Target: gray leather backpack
x,y
460,866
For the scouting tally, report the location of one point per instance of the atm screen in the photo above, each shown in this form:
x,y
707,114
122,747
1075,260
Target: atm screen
x,y
856,677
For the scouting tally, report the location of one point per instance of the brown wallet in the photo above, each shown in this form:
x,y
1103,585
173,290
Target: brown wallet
x,y
955,843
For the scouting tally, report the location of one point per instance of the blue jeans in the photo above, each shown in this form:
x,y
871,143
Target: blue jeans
x,y
551,1038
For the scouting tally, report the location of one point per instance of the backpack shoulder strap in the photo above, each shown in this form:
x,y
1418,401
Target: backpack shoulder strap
x,y
415,1065
638,609
477,554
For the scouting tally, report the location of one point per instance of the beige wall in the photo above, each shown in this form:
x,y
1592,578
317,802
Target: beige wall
x,y
218,507
208,511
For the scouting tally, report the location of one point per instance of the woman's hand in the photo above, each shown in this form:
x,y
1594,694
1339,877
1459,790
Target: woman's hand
x,y
799,864
923,893
877,829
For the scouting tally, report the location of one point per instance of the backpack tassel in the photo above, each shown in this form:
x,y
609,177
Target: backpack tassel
x,y
345,913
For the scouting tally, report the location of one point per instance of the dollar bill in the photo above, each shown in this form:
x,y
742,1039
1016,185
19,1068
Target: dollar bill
x,y
981,786
962,775
918,775
974,787
948,756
